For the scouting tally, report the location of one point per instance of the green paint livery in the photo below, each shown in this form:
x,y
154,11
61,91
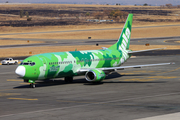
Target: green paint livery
x,y
94,64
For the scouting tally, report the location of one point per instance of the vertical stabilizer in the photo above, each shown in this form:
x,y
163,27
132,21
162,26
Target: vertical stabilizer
x,y
124,39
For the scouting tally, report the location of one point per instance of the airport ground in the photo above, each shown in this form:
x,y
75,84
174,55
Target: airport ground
x,y
40,42
129,94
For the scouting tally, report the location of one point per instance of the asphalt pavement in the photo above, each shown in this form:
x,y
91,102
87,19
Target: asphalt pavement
x,y
126,95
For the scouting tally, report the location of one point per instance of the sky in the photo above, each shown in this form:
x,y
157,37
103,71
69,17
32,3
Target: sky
x,y
122,2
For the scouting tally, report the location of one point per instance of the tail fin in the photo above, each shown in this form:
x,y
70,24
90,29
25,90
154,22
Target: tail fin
x,y
124,39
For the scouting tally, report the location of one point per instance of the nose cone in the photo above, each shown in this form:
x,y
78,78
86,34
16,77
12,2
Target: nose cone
x,y
20,70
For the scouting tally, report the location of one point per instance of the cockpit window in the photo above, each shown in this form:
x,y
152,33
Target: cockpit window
x,y
28,63
32,64
25,63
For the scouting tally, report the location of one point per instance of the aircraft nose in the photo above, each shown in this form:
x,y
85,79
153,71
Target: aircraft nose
x,y
20,70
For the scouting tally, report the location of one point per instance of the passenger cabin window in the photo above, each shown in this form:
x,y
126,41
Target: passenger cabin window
x,y
64,62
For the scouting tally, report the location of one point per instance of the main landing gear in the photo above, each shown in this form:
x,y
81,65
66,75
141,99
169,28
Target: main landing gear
x,y
32,85
68,79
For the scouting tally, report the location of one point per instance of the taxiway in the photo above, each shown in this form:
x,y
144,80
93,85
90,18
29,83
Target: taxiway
x,y
126,95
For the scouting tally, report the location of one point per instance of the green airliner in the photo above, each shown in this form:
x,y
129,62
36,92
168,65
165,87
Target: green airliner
x,y
94,64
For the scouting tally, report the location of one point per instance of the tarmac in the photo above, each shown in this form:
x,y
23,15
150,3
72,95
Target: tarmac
x,y
148,93
126,95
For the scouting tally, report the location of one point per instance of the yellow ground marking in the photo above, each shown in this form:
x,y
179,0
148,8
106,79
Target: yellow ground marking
x,y
164,77
14,80
139,80
136,72
74,101
165,40
127,73
21,99
6,89
24,83
170,71
9,94
144,71
133,57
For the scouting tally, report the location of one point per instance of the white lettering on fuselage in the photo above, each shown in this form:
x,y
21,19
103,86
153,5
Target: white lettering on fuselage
x,y
126,37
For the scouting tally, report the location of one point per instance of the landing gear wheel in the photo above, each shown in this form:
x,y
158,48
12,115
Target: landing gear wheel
x,y
32,85
68,79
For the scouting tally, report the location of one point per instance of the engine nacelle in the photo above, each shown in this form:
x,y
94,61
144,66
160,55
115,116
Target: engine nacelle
x,y
95,75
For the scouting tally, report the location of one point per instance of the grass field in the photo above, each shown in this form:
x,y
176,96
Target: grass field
x,y
156,20
9,29
104,34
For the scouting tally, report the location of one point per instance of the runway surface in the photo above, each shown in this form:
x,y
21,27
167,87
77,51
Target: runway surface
x,y
126,95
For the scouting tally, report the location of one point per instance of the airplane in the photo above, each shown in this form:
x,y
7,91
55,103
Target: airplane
x,y
93,64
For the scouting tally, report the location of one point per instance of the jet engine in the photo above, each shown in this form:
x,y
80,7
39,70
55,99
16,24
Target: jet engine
x,y
95,75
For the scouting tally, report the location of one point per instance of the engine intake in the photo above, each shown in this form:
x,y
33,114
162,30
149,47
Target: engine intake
x,y
95,75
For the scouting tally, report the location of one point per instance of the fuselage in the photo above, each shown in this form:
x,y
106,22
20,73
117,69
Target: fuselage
x,y
63,64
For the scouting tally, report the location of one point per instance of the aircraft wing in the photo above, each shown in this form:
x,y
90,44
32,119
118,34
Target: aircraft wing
x,y
122,67
131,52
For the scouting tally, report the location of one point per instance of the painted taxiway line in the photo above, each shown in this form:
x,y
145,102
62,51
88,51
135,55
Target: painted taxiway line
x,y
9,94
14,80
173,116
21,99
6,89
98,103
6,73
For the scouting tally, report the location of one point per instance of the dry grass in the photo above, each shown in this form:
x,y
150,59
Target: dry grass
x,y
56,6
38,50
160,18
17,42
156,32
106,34
9,29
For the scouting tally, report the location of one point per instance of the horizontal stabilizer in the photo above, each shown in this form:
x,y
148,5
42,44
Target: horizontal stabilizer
x,y
131,52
